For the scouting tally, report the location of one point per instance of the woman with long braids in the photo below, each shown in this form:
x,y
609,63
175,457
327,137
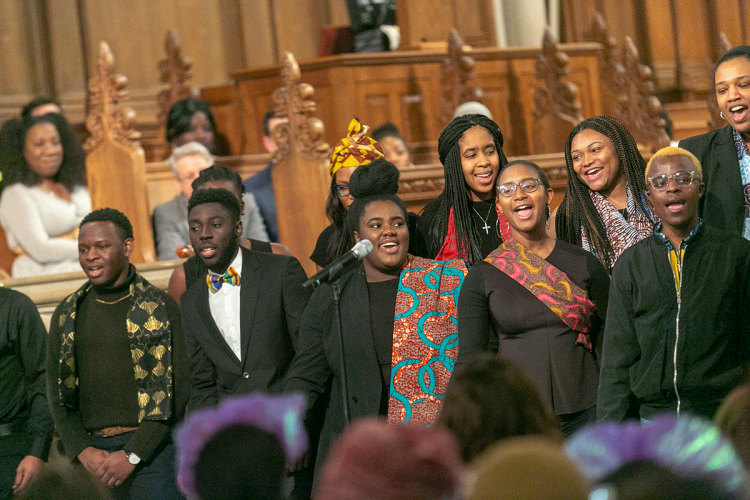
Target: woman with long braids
x,y
463,222
606,207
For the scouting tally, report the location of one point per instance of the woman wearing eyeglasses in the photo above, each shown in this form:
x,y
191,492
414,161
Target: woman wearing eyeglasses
x,y
354,150
538,301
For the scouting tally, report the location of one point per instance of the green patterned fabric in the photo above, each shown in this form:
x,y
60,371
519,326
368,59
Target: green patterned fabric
x,y
150,348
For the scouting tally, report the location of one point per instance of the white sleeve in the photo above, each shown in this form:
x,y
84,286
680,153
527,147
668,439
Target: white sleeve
x,y
20,217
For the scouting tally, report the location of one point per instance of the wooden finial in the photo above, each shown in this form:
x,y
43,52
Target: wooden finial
x,y
108,118
295,101
174,70
554,95
456,70
640,110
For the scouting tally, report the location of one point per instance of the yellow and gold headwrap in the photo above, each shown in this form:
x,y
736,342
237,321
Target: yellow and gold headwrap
x,y
355,149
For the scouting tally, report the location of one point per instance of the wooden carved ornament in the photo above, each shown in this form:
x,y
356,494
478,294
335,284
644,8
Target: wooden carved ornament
x,y
108,118
555,96
456,72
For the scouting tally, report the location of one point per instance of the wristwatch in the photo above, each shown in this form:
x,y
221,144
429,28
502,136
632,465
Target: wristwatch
x,y
133,458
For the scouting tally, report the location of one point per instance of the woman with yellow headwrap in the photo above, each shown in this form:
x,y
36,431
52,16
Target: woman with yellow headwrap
x,y
354,150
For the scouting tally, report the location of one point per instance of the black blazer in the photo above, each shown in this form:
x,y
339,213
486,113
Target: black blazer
x,y
318,357
723,204
271,301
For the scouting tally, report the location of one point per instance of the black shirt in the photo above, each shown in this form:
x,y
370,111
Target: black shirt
x,y
382,310
23,343
485,219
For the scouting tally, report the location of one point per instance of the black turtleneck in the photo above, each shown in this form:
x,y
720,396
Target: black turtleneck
x,y
107,392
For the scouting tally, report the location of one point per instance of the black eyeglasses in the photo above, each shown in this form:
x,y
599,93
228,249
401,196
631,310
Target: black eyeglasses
x,y
342,189
527,186
681,179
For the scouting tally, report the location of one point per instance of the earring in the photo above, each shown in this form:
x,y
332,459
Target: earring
x,y
721,113
548,216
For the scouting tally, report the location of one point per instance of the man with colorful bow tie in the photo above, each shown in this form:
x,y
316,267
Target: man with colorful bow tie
x,y
241,321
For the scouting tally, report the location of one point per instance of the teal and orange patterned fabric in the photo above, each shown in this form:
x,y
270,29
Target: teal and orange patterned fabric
x,y
549,284
425,338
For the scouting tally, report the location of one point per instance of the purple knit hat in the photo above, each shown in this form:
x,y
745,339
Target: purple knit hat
x,y
688,445
279,415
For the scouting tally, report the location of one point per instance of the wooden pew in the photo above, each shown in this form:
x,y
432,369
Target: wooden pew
x,y
405,88
115,164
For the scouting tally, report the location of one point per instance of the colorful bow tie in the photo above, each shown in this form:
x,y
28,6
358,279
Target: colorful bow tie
x,y
215,281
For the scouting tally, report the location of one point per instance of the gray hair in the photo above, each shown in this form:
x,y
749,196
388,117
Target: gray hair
x,y
189,149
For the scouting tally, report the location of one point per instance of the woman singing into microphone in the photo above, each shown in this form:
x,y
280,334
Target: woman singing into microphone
x,y
398,320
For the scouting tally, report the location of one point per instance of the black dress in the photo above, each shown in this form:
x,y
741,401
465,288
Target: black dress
x,y
497,314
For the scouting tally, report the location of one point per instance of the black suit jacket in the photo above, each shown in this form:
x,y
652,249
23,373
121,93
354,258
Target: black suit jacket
x,y
319,357
723,204
271,302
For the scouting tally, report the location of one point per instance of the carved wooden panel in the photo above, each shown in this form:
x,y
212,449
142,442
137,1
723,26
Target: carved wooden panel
x,y
299,174
556,106
457,71
640,109
115,164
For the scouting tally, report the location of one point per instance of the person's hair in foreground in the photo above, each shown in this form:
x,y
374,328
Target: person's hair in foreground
x,y
733,418
577,211
375,460
63,481
526,468
238,449
693,451
490,399
435,216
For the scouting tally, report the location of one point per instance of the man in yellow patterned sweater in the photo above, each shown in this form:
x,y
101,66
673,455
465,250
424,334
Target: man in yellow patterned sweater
x,y
117,369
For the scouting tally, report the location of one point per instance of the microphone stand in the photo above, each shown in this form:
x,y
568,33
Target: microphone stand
x,y
336,289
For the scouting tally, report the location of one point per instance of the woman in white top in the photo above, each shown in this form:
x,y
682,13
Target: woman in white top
x,y
45,195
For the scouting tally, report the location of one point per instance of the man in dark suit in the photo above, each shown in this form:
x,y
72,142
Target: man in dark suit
x,y
241,321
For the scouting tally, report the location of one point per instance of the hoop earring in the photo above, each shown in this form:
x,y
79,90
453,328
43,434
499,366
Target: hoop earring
x,y
721,113
497,229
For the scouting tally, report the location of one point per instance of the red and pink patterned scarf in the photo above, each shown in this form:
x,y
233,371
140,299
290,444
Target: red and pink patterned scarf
x,y
449,250
549,284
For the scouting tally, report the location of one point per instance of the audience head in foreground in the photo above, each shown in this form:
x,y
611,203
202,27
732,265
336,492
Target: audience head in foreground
x,y
490,399
689,453
238,449
526,468
63,481
374,460
733,418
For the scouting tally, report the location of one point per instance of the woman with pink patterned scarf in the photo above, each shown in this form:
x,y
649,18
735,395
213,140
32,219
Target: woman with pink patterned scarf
x,y
537,301
606,208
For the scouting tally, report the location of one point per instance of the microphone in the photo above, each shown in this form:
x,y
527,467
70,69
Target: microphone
x,y
333,270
